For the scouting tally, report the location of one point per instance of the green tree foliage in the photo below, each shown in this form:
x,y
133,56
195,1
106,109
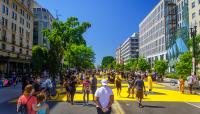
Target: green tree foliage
x,y
107,61
39,58
62,37
197,47
80,56
184,65
56,51
119,67
143,64
131,65
160,67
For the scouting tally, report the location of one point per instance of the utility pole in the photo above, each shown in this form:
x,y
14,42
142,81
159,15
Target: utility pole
x,y
193,32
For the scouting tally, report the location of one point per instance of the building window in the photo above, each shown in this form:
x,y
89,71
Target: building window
x,y
14,27
13,48
14,6
7,11
193,4
13,38
3,9
20,50
193,15
3,46
14,15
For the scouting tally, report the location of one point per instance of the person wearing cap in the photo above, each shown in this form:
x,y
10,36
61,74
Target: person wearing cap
x,y
104,98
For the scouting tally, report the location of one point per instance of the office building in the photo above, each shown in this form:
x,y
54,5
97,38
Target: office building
x,y
16,35
194,14
129,49
177,36
152,43
42,20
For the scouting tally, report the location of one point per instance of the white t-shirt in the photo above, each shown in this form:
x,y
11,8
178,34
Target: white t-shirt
x,y
190,80
104,94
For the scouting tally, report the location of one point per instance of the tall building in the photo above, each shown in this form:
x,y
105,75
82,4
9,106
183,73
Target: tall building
x,y
177,36
152,44
42,20
118,55
16,34
194,14
164,31
129,49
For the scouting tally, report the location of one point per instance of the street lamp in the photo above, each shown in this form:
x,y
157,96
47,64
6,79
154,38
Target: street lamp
x,y
193,32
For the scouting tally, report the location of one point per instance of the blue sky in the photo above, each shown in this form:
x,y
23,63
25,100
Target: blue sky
x,y
112,20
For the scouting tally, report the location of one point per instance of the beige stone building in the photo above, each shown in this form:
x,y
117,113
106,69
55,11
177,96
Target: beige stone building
x,y
16,33
194,14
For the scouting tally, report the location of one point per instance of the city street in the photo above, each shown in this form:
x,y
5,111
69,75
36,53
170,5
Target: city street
x,y
162,100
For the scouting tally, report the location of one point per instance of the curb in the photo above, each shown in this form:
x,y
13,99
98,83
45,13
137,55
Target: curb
x,y
117,109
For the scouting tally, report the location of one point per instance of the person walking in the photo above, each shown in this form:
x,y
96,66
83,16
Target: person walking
x,y
140,89
118,83
42,103
191,81
131,82
181,84
104,98
66,86
149,78
86,90
72,88
93,85
36,86
27,104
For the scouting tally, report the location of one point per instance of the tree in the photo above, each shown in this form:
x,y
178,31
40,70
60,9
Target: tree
x,y
39,58
80,56
197,47
107,60
143,65
184,65
56,51
160,67
61,37
131,65
118,67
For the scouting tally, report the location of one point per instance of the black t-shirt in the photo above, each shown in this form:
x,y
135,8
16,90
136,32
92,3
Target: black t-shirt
x,y
36,87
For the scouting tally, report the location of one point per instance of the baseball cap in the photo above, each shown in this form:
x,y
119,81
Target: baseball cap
x,y
104,82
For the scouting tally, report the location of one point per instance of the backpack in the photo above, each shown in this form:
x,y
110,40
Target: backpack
x,y
22,109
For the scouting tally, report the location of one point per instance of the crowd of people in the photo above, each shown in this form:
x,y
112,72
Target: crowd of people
x,y
35,91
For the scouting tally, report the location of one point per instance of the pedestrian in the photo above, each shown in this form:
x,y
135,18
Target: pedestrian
x,y
140,89
24,82
27,104
181,84
149,78
104,98
41,103
36,86
118,83
14,79
93,85
86,90
72,88
131,82
191,81
66,86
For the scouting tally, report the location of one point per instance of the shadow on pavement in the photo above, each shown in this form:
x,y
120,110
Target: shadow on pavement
x,y
151,106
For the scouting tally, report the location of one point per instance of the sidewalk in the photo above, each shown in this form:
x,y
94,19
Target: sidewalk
x,y
176,87
8,93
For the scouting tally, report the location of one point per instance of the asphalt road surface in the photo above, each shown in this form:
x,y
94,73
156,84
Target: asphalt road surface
x,y
131,107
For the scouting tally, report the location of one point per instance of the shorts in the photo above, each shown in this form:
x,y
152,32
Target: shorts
x,y
140,94
93,89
